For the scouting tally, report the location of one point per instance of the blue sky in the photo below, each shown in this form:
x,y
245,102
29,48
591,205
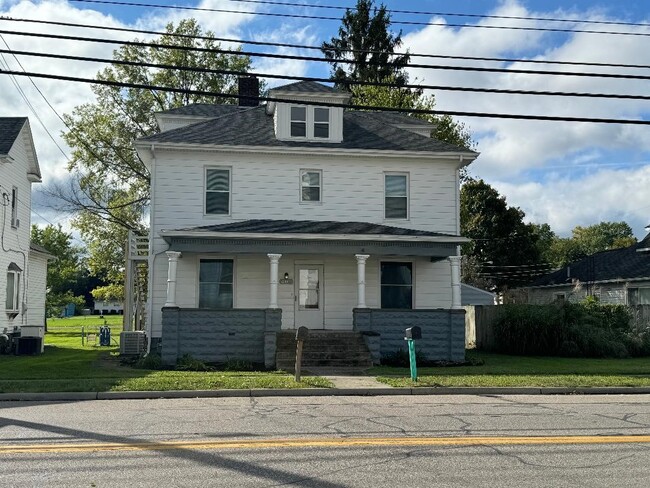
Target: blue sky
x,y
566,174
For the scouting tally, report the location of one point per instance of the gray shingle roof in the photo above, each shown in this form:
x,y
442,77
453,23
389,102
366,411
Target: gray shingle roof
x,y
617,264
265,226
9,129
253,127
307,87
205,110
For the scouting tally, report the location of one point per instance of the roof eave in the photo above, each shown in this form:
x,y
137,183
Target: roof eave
x,y
316,237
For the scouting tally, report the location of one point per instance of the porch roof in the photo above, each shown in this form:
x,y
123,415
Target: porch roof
x,y
311,237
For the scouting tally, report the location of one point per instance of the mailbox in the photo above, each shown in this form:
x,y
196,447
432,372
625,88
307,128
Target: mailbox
x,y
302,333
413,333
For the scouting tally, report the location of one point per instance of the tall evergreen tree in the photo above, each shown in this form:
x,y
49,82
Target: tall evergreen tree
x,y
364,37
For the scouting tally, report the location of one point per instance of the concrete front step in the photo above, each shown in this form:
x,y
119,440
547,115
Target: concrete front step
x,y
323,348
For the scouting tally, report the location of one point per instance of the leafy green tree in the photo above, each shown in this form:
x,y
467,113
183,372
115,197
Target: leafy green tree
x,y
64,272
500,237
585,241
109,292
364,37
445,127
110,189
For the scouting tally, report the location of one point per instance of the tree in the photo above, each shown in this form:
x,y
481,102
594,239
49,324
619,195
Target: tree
x,y
64,272
500,238
585,241
365,39
109,292
109,192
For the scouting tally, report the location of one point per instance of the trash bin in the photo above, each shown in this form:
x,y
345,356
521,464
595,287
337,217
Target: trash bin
x,y
104,336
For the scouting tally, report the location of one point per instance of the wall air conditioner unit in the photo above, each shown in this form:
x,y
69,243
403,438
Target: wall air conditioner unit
x,y
133,343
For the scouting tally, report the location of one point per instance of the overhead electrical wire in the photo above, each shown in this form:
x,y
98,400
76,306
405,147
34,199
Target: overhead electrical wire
x,y
323,80
442,14
338,19
324,60
319,48
327,104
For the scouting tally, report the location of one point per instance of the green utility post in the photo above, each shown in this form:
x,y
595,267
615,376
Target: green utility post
x,y
410,335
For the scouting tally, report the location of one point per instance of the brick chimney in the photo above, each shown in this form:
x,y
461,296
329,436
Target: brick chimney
x,y
249,88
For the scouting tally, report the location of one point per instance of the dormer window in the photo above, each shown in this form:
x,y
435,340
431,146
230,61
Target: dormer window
x,y
310,122
321,122
298,121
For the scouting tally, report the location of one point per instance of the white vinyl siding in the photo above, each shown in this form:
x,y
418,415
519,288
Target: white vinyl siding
x,y
217,191
311,186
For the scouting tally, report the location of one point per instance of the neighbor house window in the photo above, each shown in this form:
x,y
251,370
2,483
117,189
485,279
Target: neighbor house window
x,y
396,196
310,185
216,283
14,207
298,121
396,285
13,288
217,191
321,123
638,296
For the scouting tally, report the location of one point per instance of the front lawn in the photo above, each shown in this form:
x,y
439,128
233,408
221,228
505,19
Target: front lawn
x,y
66,365
500,370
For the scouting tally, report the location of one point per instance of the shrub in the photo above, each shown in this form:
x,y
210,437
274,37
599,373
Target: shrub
x,y
149,361
189,363
577,330
234,364
400,358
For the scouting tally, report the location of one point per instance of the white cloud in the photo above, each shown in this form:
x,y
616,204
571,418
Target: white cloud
x,y
608,194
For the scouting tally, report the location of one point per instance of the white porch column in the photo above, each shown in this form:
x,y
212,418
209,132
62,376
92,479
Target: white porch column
x,y
274,259
361,279
455,281
172,257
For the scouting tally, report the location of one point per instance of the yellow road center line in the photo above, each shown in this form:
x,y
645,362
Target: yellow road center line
x,y
324,442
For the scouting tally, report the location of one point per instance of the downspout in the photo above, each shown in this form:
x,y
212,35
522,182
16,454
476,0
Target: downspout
x,y
152,258
461,159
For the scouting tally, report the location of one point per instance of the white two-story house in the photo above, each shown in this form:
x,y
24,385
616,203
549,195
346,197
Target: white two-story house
x,y
301,213
23,266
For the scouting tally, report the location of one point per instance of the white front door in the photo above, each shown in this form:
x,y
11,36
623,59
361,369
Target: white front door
x,y
309,296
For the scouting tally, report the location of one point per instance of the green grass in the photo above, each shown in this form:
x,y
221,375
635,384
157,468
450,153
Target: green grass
x,y
501,370
66,365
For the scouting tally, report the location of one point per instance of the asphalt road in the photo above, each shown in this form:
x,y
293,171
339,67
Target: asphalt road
x,y
428,441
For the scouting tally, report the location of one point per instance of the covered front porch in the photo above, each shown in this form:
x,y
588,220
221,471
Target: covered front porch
x,y
318,280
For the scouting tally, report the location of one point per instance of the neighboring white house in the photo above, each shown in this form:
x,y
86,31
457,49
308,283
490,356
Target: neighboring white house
x,y
296,213
23,265
106,307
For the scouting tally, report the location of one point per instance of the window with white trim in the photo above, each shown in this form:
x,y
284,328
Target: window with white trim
x,y
638,296
396,284
299,121
13,288
321,123
310,123
14,207
310,185
217,191
216,283
396,196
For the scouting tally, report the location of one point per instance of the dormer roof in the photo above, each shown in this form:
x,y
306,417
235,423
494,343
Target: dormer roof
x,y
13,129
307,87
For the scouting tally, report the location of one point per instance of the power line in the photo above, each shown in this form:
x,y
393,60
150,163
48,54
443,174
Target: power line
x,y
443,14
338,19
319,48
325,80
324,60
326,104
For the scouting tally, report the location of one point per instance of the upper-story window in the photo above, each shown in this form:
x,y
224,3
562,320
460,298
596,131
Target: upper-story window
x,y
14,207
310,122
217,191
310,185
298,121
321,122
396,196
